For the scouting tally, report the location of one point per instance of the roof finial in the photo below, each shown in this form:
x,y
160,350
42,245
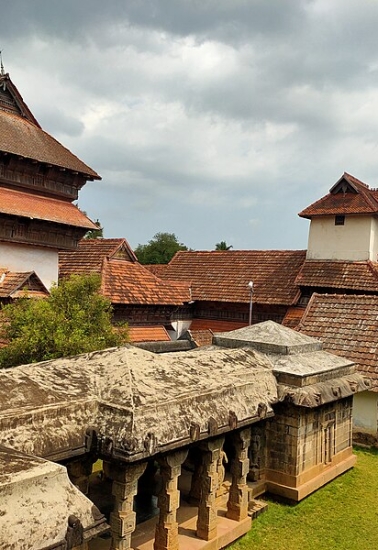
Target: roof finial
x,y
2,72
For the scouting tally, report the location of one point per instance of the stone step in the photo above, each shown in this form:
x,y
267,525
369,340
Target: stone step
x,y
256,507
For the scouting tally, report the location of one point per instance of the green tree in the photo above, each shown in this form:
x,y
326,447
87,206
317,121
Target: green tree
x,y
159,250
74,319
223,246
95,233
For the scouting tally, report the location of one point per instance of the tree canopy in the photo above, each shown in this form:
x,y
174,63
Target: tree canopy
x,y
159,250
95,233
223,246
74,319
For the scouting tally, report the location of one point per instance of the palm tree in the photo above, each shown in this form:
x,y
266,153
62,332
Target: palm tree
x,y
223,246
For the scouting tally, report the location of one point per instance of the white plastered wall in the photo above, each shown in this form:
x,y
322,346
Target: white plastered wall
x,y
20,257
365,411
356,240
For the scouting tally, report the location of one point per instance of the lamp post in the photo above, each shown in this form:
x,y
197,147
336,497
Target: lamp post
x,y
250,286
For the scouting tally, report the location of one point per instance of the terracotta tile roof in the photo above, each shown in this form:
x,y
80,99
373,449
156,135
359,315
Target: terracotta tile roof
x,y
347,326
133,284
293,317
90,254
21,137
223,276
16,285
157,269
17,203
330,274
347,196
215,325
202,337
148,334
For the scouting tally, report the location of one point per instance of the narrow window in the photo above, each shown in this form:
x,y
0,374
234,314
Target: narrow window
x,y
339,220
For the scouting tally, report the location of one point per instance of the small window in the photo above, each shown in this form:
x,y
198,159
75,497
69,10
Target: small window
x,y
339,220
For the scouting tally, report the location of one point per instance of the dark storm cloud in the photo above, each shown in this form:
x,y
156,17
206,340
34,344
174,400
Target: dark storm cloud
x,y
201,111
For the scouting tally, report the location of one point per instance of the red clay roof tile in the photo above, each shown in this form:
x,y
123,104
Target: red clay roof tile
x,y
330,274
133,284
223,276
21,137
348,326
90,254
347,196
124,279
18,203
148,334
15,285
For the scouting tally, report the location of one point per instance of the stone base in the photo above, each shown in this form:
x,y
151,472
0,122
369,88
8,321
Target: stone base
x,y
301,491
227,531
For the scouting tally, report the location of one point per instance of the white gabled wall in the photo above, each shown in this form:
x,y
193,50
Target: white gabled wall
x,y
20,257
356,240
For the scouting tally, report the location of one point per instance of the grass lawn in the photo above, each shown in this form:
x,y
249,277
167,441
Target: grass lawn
x,y
343,515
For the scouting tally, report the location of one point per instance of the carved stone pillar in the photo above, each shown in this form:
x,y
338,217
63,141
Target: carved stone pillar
x,y
166,533
125,487
207,510
237,505
79,471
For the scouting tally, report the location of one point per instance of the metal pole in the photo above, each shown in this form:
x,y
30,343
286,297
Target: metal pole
x,y
250,286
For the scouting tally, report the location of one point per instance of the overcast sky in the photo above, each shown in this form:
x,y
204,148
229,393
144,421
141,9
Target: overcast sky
x,y
211,119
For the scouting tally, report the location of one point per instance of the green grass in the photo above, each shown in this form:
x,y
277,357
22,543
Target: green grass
x,y
343,515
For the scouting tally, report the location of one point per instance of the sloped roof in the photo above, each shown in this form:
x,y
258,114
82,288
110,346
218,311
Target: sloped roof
x,y
18,136
223,276
306,374
131,283
21,135
360,276
90,254
348,326
28,487
124,279
348,196
293,316
140,402
26,205
148,334
215,325
15,285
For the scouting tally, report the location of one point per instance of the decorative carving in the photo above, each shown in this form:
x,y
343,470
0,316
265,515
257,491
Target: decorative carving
x,y
237,505
194,431
262,410
207,511
75,532
166,533
129,444
213,426
232,420
150,443
125,487
221,471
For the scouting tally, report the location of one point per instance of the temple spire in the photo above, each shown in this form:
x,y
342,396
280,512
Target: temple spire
x,y
2,72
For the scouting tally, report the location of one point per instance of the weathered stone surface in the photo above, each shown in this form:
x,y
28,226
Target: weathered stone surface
x,y
268,337
323,392
36,501
137,403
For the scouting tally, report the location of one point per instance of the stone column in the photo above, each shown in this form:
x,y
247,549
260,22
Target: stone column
x,y
79,471
125,487
237,505
166,532
207,510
